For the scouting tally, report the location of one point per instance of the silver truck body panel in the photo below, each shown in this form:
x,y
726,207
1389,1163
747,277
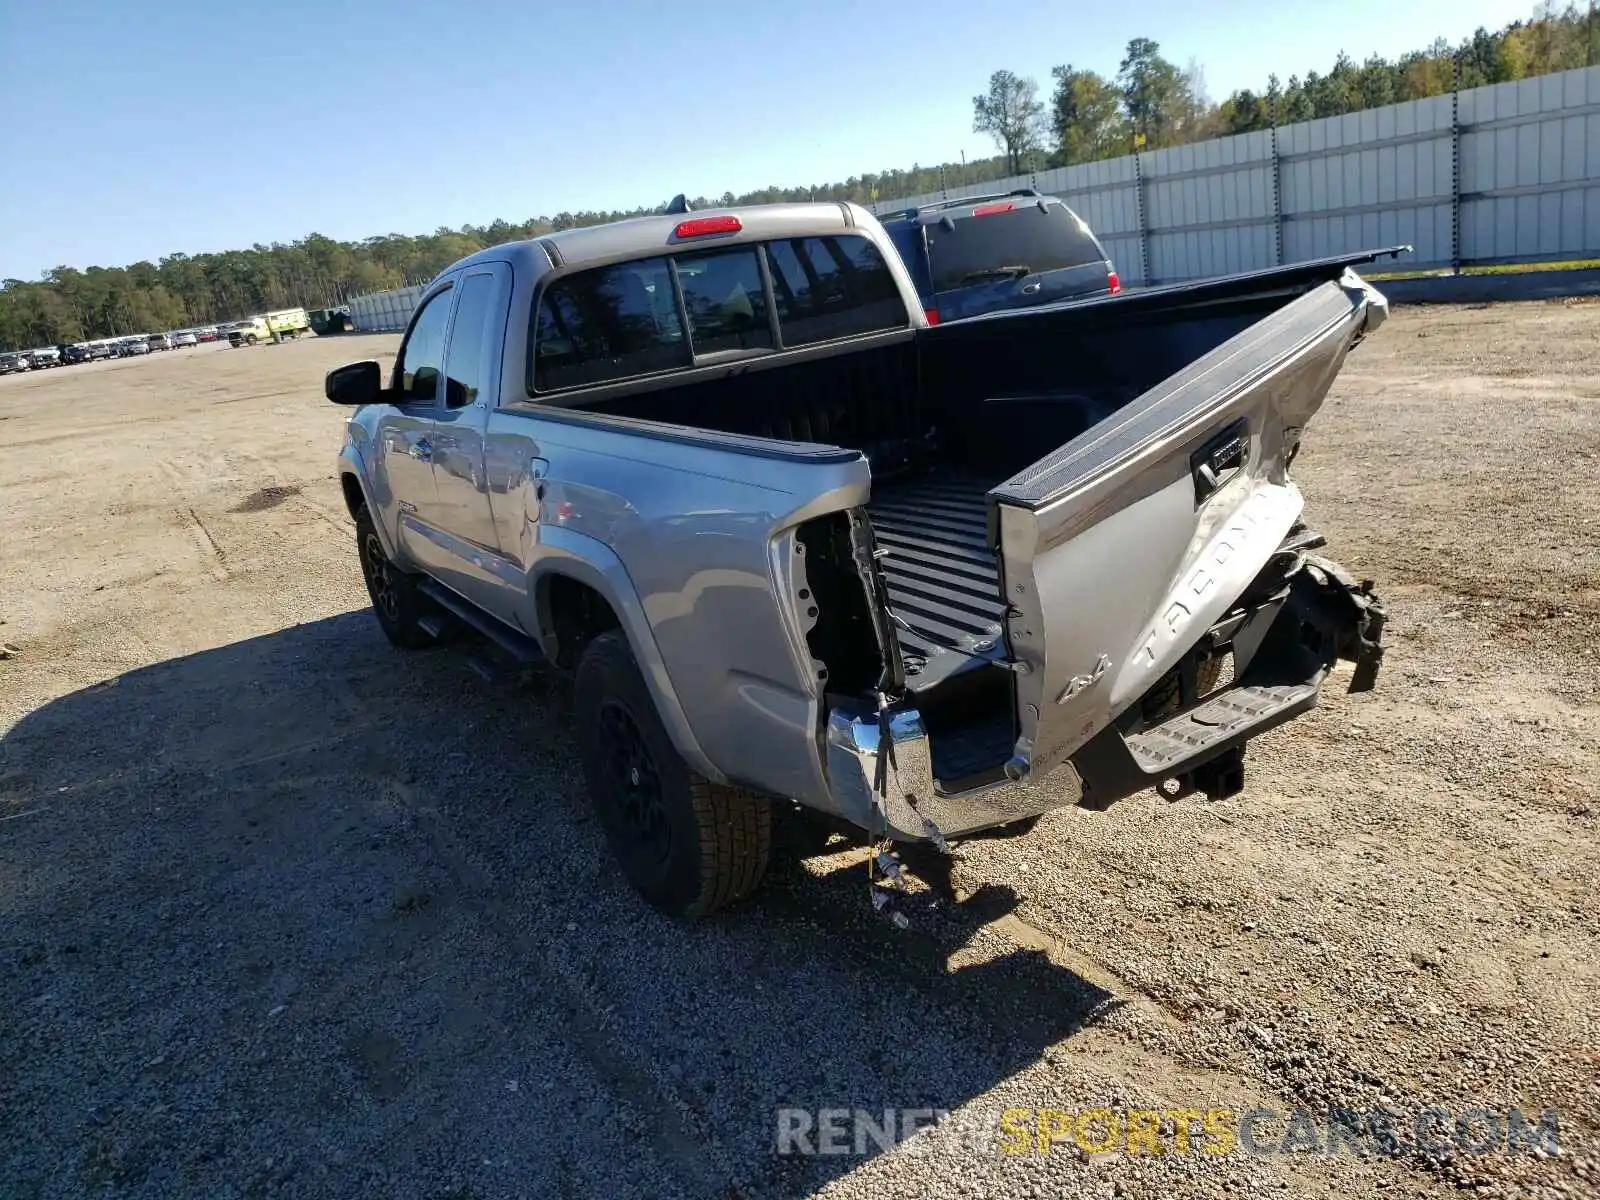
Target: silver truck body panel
x,y
1109,565
706,536
1112,568
742,706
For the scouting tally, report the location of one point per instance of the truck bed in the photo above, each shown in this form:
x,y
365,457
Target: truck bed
x,y
941,573
1152,419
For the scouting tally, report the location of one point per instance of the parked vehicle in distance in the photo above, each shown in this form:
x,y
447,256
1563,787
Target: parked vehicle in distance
x,y
288,324
206,333
793,541
1008,250
184,337
158,341
332,320
81,352
44,356
134,346
14,362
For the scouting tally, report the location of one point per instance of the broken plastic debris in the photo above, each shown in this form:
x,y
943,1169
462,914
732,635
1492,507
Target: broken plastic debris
x,y
274,1012
900,921
879,899
935,835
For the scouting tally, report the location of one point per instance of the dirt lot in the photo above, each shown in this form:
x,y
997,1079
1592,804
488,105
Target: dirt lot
x,y
287,912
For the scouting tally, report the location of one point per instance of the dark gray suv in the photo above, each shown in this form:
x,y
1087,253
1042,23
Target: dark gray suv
x,y
1008,250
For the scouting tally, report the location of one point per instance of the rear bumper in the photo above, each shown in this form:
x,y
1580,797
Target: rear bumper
x,y
896,794
1285,641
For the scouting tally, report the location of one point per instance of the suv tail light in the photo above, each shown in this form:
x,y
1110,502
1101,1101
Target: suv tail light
x,y
932,314
1114,281
987,210
704,226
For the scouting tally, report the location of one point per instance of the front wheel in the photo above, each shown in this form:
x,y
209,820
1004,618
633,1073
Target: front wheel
x,y
396,602
687,845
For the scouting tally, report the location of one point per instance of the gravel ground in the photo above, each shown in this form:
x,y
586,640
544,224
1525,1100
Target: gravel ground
x,y
287,912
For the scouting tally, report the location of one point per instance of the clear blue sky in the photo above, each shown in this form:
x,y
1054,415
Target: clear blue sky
x,y
137,130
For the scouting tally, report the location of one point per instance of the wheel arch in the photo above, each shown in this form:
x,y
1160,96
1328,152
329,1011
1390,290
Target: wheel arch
x,y
357,491
575,573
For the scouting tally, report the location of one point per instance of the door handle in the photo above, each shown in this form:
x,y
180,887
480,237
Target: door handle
x,y
422,450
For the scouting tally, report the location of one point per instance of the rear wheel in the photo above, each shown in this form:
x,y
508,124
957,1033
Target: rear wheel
x,y
396,602
687,845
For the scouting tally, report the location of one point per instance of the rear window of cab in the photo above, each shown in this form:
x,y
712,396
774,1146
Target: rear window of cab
x,y
671,312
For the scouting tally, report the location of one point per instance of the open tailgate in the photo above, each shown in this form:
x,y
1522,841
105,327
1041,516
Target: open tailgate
x,y
1120,549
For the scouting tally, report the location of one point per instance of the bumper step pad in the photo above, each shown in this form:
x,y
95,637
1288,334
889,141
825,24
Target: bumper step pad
x,y
1213,722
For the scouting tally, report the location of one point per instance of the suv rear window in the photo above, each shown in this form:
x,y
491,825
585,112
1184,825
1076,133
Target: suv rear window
x,y
1040,239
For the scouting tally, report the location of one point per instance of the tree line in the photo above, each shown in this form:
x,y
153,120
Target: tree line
x,y
1152,103
1149,103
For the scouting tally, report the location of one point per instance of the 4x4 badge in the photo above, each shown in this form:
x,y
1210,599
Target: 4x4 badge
x,y
1082,683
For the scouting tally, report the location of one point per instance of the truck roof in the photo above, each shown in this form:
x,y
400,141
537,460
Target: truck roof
x,y
638,237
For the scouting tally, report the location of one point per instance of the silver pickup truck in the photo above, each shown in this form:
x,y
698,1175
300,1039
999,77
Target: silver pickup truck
x,y
792,541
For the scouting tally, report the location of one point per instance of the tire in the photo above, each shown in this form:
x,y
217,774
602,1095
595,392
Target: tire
x,y
396,602
687,845
250,340
1164,702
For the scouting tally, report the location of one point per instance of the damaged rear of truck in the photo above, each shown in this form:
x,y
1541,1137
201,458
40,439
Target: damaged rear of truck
x,y
1130,609
795,542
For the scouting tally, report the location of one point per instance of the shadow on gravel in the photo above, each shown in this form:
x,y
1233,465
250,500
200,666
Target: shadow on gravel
x,y
307,915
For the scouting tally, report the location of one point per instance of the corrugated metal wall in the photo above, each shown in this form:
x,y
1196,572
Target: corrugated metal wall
x,y
1494,174
384,310
1530,168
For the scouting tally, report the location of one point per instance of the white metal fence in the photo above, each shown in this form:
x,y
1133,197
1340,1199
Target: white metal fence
x,y
384,310
1506,173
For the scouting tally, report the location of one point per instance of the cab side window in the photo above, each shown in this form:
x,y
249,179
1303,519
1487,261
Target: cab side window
x,y
469,341
422,356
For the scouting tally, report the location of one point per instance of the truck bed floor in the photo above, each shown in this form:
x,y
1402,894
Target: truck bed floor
x,y
942,575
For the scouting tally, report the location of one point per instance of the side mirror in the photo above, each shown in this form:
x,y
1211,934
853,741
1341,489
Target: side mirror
x,y
357,383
